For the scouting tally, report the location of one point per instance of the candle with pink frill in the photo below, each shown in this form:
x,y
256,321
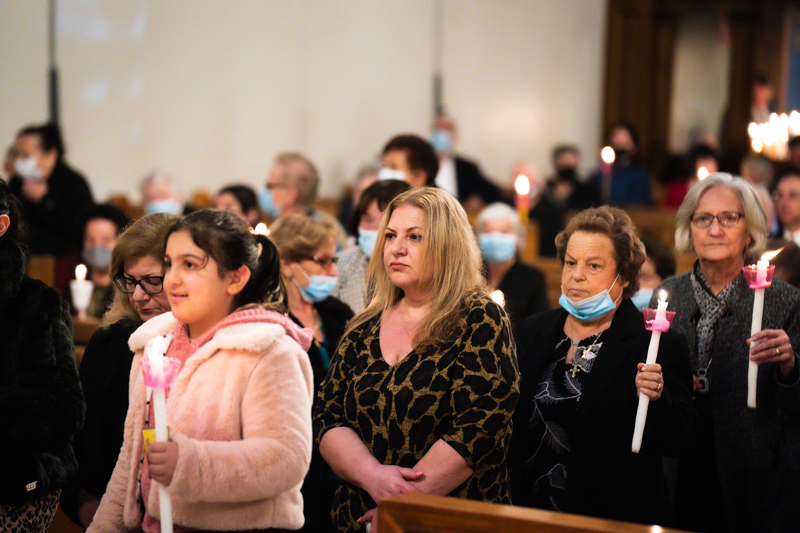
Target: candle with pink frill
x,y
159,373
656,321
759,277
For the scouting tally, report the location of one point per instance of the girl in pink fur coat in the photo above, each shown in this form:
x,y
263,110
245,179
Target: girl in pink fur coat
x,y
239,410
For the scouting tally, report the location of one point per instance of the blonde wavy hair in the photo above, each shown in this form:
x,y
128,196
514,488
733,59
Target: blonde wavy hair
x,y
450,253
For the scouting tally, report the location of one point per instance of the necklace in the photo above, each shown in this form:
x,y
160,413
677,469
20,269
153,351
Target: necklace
x,y
584,354
316,327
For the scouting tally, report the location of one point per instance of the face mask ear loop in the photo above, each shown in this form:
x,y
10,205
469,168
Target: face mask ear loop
x,y
308,278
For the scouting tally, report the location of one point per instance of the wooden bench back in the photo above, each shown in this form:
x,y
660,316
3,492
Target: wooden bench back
x,y
423,513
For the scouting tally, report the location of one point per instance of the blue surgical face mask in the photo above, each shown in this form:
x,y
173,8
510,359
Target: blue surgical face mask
x,y
497,247
319,287
367,239
391,174
642,298
590,308
267,203
98,258
442,141
165,205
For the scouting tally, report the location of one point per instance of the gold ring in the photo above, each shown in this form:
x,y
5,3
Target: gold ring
x,y
660,386
777,351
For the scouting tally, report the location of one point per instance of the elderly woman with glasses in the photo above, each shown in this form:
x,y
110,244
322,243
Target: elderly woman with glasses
x,y
742,472
308,268
136,267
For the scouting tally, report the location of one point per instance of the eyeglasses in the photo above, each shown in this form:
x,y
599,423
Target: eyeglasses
x,y
326,262
726,219
150,284
271,186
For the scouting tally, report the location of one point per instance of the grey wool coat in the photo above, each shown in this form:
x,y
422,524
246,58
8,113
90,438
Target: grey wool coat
x,y
750,444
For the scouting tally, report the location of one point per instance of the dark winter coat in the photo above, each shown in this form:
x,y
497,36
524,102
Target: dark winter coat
x,y
41,403
757,450
605,478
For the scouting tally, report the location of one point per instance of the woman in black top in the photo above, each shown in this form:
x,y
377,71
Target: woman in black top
x,y
41,404
136,266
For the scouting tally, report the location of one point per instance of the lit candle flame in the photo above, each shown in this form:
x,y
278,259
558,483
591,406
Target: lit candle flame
x,y
702,173
261,229
498,297
522,185
757,144
80,272
662,294
769,255
608,155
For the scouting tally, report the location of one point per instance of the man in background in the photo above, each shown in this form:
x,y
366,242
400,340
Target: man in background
x,y
459,176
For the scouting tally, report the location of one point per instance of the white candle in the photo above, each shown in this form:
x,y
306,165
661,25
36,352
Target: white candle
x,y
661,310
81,290
157,352
761,271
755,327
759,284
522,186
608,156
652,354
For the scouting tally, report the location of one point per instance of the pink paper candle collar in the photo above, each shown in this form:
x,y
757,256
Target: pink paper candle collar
x,y
756,279
652,322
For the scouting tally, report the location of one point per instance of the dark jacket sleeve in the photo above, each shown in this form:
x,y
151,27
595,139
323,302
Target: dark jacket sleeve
x,y
41,402
105,371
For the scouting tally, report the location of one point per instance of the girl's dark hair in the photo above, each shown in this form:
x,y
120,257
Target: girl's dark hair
x,y
226,238
9,205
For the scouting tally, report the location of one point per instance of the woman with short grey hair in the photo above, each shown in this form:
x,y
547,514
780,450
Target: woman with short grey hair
x,y
501,236
743,468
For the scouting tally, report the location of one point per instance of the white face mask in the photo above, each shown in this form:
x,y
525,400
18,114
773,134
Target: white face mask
x,y
391,174
27,168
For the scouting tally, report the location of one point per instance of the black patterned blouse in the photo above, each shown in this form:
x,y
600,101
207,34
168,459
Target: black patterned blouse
x,y
463,393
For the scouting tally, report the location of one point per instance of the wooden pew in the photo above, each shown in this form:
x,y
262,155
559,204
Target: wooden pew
x,y
43,268
423,513
551,268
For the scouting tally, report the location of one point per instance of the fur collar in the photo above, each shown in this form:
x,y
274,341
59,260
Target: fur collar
x,y
270,326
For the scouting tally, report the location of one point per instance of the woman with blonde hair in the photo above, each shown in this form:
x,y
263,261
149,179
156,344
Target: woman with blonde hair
x,y
423,385
136,268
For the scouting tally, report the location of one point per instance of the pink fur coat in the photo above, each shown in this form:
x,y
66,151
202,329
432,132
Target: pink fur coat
x,y
240,411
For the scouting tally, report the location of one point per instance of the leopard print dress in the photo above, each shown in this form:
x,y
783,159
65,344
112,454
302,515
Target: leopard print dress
x,y
463,393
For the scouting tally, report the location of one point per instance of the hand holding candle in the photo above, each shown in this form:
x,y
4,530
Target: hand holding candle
x,y
655,321
758,277
159,373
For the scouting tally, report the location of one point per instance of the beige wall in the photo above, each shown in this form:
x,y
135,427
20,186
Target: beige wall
x,y
210,91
